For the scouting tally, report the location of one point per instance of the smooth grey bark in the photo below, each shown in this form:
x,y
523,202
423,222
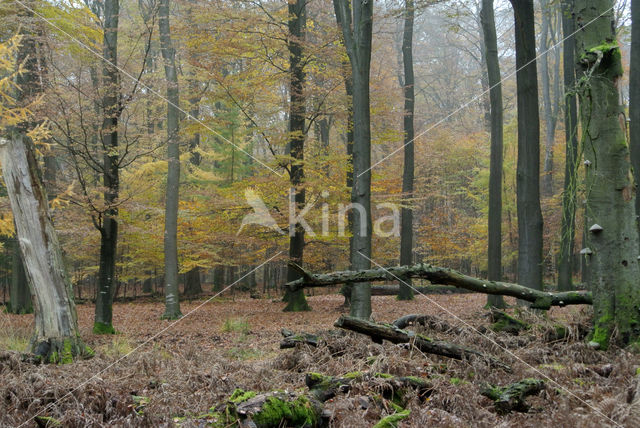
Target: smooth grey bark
x,y
612,234
406,214
171,292
494,255
296,301
56,338
356,20
550,95
568,226
528,169
107,224
634,99
348,86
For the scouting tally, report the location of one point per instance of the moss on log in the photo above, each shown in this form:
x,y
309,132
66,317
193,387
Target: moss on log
x,y
512,397
503,322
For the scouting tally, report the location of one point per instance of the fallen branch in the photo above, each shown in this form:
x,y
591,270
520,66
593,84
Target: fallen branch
x,y
380,332
443,276
429,321
511,397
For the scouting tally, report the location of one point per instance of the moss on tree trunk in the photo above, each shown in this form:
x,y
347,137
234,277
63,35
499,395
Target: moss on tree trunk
x,y
612,235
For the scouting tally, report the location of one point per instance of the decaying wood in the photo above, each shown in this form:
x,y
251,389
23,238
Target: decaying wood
x,y
324,387
429,321
443,276
274,409
380,332
503,322
511,397
56,337
291,339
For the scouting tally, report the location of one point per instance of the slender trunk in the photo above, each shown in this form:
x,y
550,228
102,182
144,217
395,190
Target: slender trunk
x,y
612,235
109,225
348,86
296,300
494,257
56,338
549,117
357,39
528,169
406,215
634,98
171,292
568,227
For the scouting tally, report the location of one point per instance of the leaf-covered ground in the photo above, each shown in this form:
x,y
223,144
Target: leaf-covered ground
x,y
185,369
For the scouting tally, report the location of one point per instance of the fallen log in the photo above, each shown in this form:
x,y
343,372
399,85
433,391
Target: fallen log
x,y
380,332
291,339
429,321
443,276
511,397
268,410
503,322
323,387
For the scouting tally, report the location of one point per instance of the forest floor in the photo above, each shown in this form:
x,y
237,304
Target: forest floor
x,y
154,373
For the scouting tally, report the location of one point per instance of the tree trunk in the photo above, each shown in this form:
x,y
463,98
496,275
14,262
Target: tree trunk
x,y
634,99
19,293
348,86
528,169
494,256
171,292
108,227
56,338
444,276
568,227
192,284
550,118
357,34
218,278
406,215
296,301
613,262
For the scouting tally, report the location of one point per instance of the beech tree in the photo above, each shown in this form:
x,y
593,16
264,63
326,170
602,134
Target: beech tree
x,y
296,300
494,256
612,236
107,222
568,227
634,98
528,171
551,92
356,21
171,291
406,215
